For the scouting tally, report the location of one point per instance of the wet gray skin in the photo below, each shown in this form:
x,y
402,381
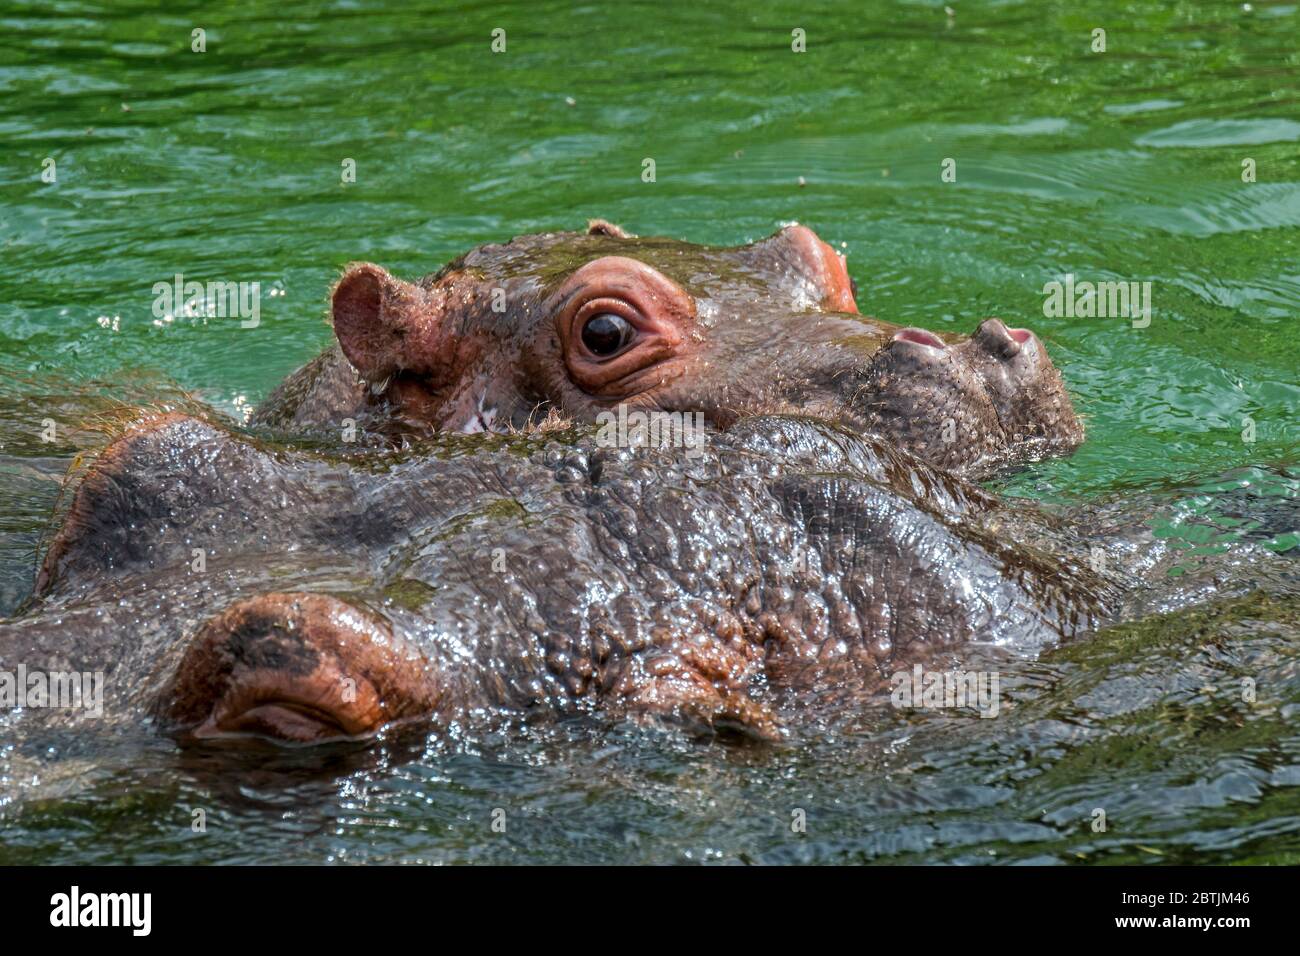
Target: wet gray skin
x,y
783,567
573,325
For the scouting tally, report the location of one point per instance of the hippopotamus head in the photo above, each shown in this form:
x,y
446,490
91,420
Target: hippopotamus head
x,y
580,323
228,588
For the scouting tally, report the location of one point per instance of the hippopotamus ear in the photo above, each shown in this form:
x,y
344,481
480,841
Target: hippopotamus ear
x,y
384,325
603,227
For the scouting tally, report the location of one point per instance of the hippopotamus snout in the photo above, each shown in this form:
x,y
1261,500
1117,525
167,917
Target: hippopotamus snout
x,y
1026,389
964,403
298,667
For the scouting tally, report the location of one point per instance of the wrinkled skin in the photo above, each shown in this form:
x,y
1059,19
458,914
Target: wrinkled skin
x,y
576,324
478,580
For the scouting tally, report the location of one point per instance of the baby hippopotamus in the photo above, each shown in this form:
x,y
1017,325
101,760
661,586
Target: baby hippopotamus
x,y
581,323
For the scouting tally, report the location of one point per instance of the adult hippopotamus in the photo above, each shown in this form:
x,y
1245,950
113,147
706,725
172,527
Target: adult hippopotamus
x,y
577,324
779,573
227,587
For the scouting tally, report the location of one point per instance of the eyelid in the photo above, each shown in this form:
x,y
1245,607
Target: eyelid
x,y
658,311
614,306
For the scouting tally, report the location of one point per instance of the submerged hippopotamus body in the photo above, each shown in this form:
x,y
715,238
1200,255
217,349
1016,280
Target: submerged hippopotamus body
x,y
578,324
526,577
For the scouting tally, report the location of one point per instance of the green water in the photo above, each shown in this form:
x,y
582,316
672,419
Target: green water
x,y
1116,165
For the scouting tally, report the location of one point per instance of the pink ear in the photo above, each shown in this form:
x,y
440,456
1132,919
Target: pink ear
x,y
827,267
383,325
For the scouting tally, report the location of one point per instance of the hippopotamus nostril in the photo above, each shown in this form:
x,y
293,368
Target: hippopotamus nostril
x,y
919,337
304,668
997,339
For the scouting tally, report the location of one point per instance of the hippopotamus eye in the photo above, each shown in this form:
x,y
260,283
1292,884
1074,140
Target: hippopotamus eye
x,y
607,334
618,322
